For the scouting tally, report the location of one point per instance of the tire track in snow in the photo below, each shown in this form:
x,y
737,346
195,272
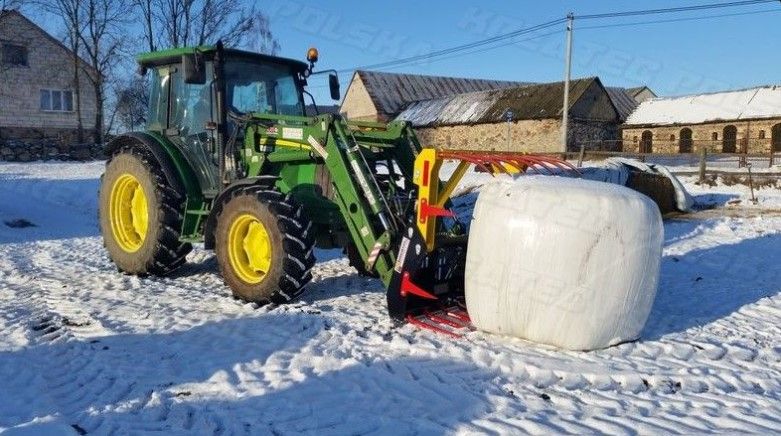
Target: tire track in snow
x,y
221,366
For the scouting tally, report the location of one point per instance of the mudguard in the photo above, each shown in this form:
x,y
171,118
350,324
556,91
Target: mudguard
x,y
176,169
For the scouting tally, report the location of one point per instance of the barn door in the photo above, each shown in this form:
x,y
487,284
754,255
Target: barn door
x,y
685,141
776,135
730,139
647,142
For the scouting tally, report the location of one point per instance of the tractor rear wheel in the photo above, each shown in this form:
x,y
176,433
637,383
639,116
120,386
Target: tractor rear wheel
x,y
140,214
264,245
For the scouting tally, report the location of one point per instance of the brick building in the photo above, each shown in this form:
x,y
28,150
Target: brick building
x,y
381,96
743,121
479,120
37,98
472,113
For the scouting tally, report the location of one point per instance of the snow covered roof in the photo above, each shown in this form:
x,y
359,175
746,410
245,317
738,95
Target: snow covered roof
x,y
526,102
762,102
391,91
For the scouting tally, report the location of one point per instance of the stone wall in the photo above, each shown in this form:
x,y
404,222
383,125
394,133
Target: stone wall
x,y
525,136
594,135
754,136
25,144
14,150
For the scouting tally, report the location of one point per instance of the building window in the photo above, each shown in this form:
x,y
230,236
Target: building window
x,y
634,139
672,137
715,136
15,55
56,100
761,134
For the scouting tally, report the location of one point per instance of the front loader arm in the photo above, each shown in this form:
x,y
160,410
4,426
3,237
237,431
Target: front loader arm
x,y
419,257
371,222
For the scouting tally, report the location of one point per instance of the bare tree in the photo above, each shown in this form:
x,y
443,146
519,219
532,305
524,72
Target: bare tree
x,y
70,11
146,9
260,38
9,5
102,37
132,103
181,23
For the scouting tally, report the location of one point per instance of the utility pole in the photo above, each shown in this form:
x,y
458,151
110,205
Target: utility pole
x,y
567,75
508,116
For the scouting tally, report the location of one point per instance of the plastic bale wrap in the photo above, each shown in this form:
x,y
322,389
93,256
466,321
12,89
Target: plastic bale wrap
x,y
566,262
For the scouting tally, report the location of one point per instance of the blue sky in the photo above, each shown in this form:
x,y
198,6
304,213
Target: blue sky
x,y
672,58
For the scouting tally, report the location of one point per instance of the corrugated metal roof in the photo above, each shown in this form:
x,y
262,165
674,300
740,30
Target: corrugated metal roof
x,y
526,102
762,102
624,101
638,89
390,92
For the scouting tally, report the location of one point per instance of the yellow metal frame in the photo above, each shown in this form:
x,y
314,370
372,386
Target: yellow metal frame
x,y
426,177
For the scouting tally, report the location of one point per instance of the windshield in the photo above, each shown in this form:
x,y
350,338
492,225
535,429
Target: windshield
x,y
266,88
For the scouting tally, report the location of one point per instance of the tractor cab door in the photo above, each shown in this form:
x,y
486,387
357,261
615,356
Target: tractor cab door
x,y
182,112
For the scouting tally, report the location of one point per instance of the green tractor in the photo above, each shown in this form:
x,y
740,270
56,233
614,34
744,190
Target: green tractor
x,y
230,159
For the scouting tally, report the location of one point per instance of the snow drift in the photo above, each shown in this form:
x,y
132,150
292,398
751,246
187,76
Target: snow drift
x,y
566,262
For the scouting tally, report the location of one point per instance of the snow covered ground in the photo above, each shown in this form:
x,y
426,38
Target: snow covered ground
x,y
84,349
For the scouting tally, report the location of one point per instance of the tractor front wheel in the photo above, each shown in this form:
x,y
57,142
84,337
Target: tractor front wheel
x,y
264,246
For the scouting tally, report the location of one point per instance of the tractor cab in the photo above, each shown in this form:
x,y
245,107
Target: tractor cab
x,y
197,93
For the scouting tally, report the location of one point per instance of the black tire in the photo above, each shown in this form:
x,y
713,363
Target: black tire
x,y
355,261
161,251
291,241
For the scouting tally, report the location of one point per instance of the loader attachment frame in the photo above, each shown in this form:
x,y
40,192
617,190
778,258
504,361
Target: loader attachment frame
x,y
427,283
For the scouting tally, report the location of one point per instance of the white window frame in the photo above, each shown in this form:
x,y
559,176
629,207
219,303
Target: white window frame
x,y
63,99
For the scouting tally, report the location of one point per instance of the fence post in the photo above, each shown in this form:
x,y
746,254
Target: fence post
x,y
703,162
582,153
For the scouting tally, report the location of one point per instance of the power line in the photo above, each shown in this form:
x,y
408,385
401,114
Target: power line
x,y
671,20
345,72
674,10
479,51
676,20
459,48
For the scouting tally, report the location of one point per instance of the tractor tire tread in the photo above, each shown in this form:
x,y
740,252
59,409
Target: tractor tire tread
x,y
169,252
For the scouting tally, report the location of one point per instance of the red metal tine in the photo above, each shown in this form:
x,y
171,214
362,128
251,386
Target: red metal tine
x,y
443,320
492,162
416,322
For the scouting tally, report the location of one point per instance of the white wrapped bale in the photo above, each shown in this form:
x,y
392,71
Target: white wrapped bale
x,y
567,262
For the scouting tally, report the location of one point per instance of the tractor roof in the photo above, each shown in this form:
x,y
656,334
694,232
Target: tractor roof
x,y
174,55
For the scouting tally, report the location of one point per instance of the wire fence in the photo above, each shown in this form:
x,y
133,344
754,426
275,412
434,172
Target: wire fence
x,y
712,161
762,154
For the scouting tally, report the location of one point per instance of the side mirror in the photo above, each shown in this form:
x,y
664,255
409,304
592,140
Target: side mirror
x,y
333,83
193,69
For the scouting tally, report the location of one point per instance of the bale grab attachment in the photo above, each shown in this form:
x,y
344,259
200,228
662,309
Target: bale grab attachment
x,y
427,284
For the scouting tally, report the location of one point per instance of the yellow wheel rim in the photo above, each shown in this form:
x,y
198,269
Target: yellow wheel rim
x,y
249,249
128,212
